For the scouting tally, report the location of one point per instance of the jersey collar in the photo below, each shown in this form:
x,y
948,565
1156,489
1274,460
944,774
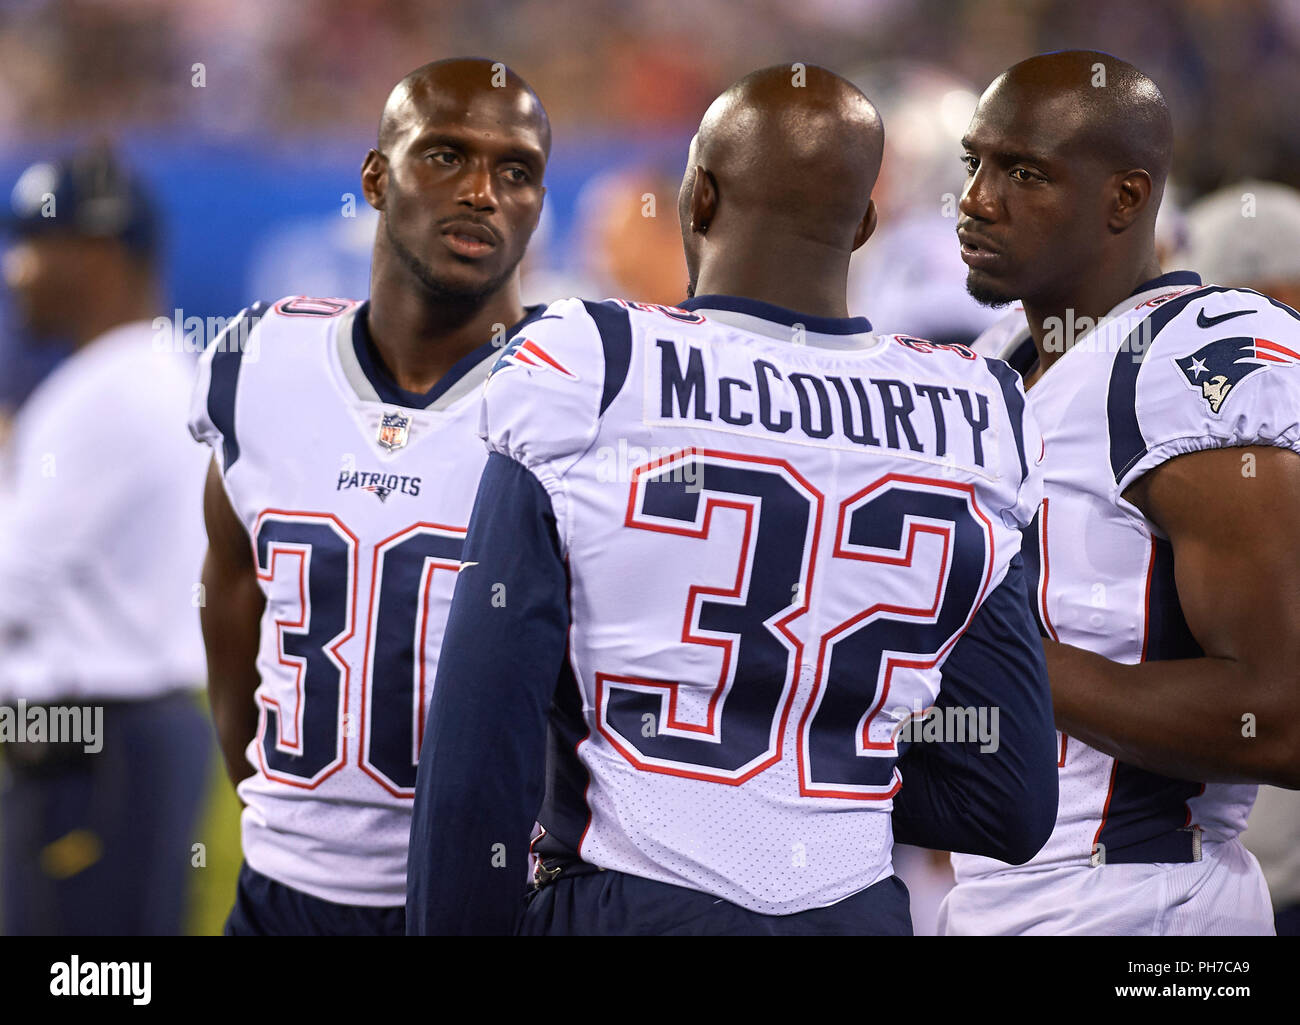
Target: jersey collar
x,y
458,380
780,315
1174,279
1023,356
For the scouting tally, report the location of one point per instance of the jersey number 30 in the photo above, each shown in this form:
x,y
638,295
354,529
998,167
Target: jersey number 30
x,y
303,744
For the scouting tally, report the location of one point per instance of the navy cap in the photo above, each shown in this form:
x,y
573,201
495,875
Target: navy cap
x,y
89,194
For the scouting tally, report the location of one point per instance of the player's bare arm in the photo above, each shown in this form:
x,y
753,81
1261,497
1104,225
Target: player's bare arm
x,y
1234,715
231,615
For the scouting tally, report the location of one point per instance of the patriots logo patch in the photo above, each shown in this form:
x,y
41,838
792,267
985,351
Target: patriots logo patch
x,y
1216,369
524,352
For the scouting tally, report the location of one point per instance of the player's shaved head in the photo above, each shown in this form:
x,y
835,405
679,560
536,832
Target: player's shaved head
x,y
1100,107
801,147
457,80
789,155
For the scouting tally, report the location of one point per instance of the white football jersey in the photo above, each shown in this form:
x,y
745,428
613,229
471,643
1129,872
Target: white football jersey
x,y
356,497
101,539
1176,368
759,511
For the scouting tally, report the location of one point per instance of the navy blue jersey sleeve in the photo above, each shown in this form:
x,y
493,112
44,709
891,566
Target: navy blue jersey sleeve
x,y
482,764
995,798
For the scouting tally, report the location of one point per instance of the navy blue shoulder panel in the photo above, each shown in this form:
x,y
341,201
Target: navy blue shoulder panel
x,y
615,329
1024,358
1127,445
226,361
1015,403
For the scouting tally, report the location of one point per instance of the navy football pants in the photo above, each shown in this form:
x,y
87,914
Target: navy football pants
x,y
618,904
264,907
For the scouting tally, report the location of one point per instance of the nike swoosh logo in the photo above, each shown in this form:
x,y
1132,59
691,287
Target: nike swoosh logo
x,y
467,565
1203,321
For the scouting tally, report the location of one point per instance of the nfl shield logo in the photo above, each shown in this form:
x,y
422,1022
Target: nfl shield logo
x,y
393,431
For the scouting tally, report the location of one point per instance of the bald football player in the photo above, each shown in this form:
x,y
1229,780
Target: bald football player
x,y
720,557
346,458
1166,552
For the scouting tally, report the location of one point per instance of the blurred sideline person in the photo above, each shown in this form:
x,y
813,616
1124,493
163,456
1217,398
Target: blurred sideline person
x,y
910,279
100,548
1166,552
1247,235
699,664
321,255
625,237
345,461
628,235
26,362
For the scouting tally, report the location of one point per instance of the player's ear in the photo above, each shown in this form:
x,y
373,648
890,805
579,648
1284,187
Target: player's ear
x,y
868,226
704,200
374,178
1131,196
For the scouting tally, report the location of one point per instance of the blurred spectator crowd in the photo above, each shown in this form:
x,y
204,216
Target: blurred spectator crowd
x,y
1230,68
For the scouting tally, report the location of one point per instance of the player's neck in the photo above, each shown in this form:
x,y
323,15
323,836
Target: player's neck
x,y
804,281
1057,322
420,340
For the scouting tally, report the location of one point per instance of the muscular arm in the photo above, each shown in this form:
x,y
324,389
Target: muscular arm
x,y
231,617
1236,544
998,798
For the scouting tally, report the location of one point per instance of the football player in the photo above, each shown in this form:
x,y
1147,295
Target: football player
x,y
346,461
734,549
1165,558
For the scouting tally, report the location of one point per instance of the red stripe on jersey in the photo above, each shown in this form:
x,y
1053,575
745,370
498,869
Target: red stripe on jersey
x,y
1264,343
532,347
1105,808
1146,600
1042,588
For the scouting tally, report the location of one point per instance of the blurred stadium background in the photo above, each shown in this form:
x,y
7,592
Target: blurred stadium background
x,y
250,119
